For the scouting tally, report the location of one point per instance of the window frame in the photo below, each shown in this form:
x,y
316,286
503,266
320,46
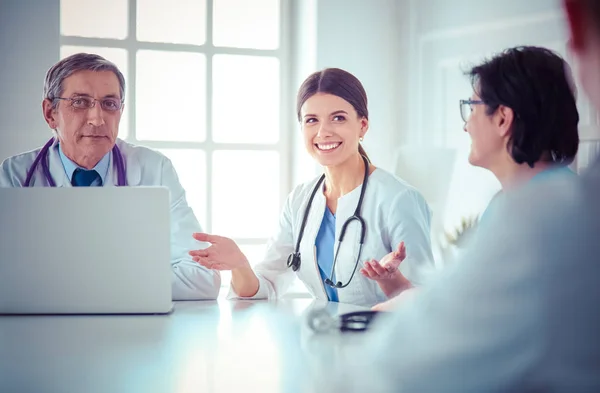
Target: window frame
x,y
284,145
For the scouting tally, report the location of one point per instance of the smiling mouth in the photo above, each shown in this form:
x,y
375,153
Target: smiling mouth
x,y
327,147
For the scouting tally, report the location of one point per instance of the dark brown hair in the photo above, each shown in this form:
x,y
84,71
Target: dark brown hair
x,y
339,83
533,82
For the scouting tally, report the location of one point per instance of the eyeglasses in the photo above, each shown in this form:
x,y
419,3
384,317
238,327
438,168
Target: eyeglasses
x,y
84,102
466,107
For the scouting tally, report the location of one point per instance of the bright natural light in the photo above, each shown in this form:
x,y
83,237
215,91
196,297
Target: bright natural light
x,y
181,22
246,24
246,99
171,96
87,18
245,207
191,170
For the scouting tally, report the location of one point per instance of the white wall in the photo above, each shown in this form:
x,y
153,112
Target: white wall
x,y
29,45
445,38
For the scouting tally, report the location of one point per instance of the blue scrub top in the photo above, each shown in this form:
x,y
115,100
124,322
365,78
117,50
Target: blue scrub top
x,y
325,243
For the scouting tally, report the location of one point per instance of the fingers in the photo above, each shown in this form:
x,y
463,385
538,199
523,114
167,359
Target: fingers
x,y
373,270
376,266
393,264
205,237
209,264
200,253
219,266
401,247
204,261
399,255
402,251
368,271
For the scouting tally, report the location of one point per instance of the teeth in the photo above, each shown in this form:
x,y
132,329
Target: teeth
x,y
329,146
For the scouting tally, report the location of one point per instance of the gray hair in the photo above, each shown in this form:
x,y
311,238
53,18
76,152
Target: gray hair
x,y
53,85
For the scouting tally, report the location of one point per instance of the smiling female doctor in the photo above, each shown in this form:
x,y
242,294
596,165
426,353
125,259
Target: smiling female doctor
x,y
329,226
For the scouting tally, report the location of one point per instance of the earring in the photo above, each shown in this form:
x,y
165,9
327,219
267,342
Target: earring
x,y
360,139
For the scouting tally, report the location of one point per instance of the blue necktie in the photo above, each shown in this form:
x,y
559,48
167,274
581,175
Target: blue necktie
x,y
83,177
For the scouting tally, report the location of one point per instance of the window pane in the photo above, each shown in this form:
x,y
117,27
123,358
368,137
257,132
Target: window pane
x,y
117,56
254,252
245,99
190,165
181,22
245,193
246,24
171,96
90,18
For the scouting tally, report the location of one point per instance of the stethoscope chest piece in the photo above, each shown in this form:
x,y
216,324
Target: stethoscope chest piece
x,y
293,261
321,321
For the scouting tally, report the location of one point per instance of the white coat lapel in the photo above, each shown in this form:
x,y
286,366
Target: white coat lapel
x,y
133,167
57,169
309,270
348,251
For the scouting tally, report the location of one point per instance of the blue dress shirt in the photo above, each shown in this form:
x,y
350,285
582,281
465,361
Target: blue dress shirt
x,y
101,167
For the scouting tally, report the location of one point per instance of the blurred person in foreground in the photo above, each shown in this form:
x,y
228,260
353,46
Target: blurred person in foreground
x,y
521,311
522,120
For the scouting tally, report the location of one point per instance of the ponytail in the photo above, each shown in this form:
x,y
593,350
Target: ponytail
x,y
363,153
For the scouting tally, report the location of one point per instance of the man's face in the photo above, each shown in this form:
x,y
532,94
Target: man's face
x,y
86,133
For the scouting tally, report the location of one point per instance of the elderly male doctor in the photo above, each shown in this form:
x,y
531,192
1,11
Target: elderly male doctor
x,y
83,103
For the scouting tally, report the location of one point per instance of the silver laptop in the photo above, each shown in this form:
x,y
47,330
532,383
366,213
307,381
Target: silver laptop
x,y
85,250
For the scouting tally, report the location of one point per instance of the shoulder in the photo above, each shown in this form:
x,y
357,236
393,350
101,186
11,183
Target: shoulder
x,y
140,153
301,192
539,207
392,189
22,158
13,170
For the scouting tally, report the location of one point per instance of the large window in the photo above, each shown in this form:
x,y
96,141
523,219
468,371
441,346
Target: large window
x,y
204,86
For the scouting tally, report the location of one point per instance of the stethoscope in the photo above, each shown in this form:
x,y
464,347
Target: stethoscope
x,y
42,157
294,258
358,321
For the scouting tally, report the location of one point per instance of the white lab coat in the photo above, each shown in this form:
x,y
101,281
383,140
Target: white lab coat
x,y
393,211
144,167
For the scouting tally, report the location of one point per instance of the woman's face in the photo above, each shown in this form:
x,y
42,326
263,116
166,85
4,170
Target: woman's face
x,y
486,141
332,129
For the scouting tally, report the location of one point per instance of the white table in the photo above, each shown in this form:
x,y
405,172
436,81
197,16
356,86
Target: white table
x,y
217,346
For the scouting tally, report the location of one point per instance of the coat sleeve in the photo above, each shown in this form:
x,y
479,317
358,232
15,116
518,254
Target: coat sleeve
x,y
272,272
190,281
8,173
410,222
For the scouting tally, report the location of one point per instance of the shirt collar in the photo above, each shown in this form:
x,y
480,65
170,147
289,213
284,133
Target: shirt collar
x,y
101,167
552,171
